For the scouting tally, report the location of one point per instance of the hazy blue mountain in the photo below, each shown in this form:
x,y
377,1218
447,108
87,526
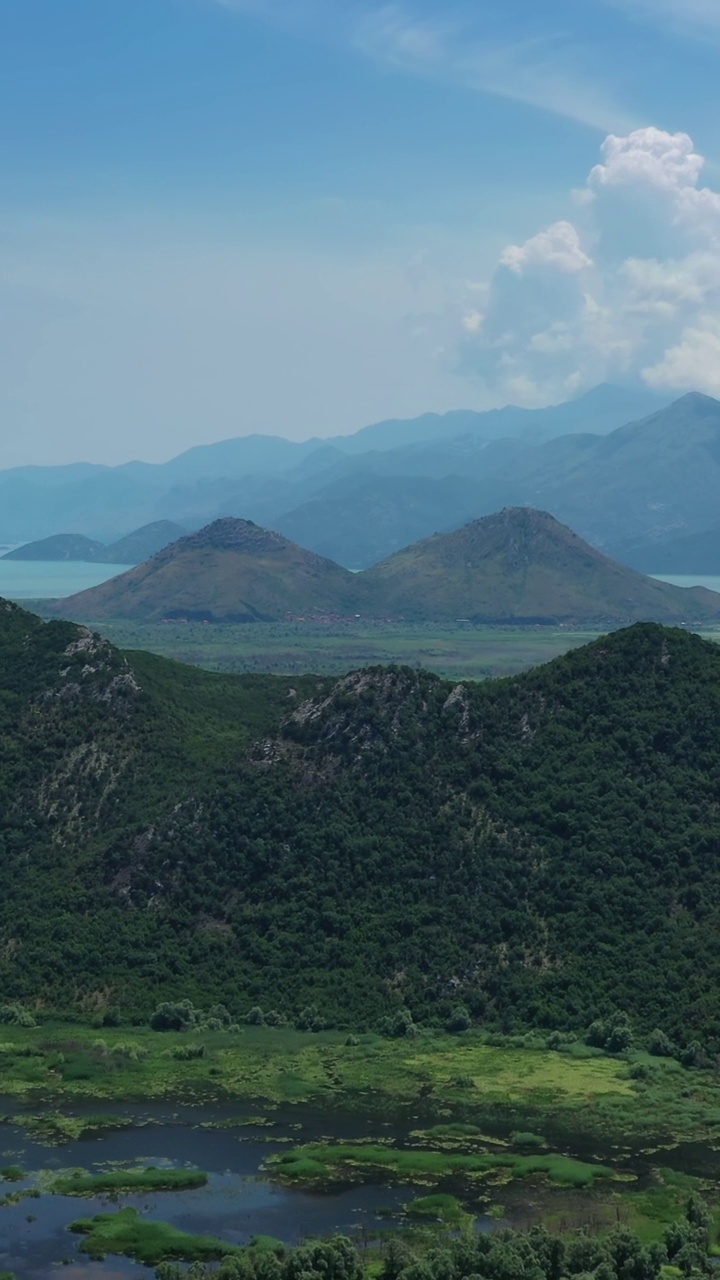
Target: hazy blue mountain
x,y
640,481
267,477
134,548
601,409
366,517
61,546
685,553
141,544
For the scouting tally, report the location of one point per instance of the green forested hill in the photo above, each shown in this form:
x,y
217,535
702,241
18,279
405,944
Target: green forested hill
x,y
542,850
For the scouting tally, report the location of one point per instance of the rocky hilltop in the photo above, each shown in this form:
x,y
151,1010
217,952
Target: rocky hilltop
x,y
539,849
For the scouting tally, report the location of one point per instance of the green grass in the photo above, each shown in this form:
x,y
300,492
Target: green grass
x,y
466,1081
455,651
150,1243
647,1211
527,1140
323,1162
56,1127
12,1173
147,1179
439,1208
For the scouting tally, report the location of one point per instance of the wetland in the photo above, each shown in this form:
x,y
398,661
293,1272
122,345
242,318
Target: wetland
x,y
141,1155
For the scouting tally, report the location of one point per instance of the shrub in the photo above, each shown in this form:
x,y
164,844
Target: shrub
x,y
459,1020
398,1024
256,1017
16,1016
661,1045
309,1020
614,1034
185,1052
128,1049
692,1055
171,1016
221,1014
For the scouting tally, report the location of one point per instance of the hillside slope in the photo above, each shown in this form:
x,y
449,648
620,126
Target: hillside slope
x,y
543,849
523,565
143,543
642,480
62,546
230,571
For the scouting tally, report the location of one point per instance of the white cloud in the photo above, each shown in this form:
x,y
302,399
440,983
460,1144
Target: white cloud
x,y
666,163
548,72
559,248
574,305
693,363
460,45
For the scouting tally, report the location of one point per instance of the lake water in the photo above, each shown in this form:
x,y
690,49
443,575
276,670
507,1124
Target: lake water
x,y
237,1202
240,1200
689,580
51,579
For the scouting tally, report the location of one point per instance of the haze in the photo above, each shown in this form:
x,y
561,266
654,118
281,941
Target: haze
x,y
222,217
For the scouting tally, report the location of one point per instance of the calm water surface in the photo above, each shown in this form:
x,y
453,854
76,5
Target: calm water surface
x,y
237,1203
690,580
44,579
239,1200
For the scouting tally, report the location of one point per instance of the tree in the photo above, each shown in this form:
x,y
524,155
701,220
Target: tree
x,y
170,1016
459,1020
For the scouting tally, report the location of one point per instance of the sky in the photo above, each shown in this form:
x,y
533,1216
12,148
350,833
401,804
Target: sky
x,y
301,216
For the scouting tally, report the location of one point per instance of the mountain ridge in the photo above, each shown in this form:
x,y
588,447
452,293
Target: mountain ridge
x,y
132,549
529,847
517,565
277,475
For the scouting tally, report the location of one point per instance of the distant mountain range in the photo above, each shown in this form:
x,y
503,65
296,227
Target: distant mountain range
x,y
686,553
132,549
519,565
355,498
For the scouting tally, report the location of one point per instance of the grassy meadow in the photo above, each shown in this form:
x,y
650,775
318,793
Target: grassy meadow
x,y
444,1079
457,651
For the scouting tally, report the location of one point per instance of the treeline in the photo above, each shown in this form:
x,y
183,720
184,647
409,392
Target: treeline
x,y
503,1255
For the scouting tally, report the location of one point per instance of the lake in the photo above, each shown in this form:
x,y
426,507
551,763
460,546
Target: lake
x,y
240,1200
689,580
237,1203
52,579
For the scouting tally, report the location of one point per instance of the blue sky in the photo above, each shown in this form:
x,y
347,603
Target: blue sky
x,y
220,216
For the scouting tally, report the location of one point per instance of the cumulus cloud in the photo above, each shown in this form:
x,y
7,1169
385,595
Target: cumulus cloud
x,y
693,362
628,288
559,248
